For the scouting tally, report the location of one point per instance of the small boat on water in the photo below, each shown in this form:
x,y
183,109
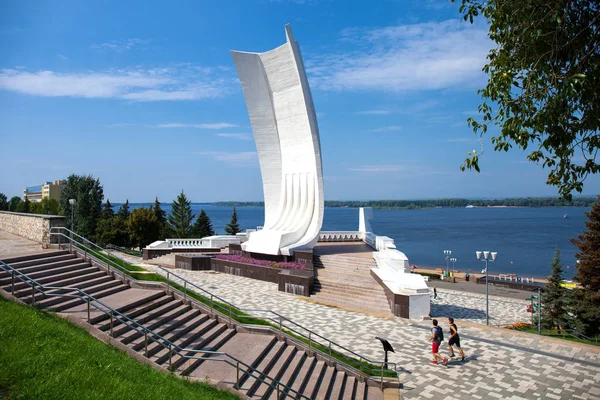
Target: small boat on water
x,y
566,216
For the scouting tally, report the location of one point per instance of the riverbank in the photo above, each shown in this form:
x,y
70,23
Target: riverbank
x,y
460,275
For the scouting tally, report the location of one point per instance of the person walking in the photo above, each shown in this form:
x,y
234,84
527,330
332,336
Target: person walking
x,y
434,292
436,338
454,339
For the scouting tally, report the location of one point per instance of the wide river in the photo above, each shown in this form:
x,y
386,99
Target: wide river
x,y
525,238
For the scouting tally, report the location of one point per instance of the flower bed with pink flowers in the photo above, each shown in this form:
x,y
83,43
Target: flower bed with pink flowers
x,y
262,263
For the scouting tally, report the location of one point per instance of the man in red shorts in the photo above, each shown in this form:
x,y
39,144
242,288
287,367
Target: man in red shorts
x,y
437,336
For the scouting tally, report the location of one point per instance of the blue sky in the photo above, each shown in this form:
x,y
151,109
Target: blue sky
x,y
144,96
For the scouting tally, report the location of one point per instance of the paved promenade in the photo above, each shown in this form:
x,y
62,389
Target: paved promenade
x,y
501,363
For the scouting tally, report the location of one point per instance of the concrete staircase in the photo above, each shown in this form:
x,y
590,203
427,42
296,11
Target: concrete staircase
x,y
343,280
187,325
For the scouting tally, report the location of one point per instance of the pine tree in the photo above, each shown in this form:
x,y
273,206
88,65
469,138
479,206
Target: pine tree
x,y
203,227
161,216
181,217
233,228
124,212
554,297
107,210
587,298
159,213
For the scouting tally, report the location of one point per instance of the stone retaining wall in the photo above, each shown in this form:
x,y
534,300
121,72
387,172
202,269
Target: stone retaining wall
x,y
34,227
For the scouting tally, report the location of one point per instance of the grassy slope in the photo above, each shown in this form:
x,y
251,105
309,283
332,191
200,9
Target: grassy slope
x,y
45,357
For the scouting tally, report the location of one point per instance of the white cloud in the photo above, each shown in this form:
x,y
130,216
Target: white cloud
x,y
236,159
216,125
238,136
120,45
181,82
425,56
393,128
375,112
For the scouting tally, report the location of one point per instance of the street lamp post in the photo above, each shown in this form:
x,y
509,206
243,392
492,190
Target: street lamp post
x,y
72,203
484,256
453,260
447,253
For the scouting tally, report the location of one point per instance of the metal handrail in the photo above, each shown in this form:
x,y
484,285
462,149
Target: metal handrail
x,y
172,347
279,320
121,249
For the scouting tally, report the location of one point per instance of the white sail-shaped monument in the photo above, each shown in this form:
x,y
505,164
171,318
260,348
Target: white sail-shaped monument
x,y
284,124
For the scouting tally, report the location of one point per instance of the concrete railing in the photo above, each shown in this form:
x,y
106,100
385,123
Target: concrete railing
x,y
340,236
34,227
211,242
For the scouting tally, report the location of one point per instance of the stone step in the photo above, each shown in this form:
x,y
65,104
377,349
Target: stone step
x,y
337,388
242,346
303,375
326,384
275,372
349,388
192,338
104,324
149,315
67,279
291,371
99,291
30,270
179,333
374,393
316,377
167,326
127,335
248,382
31,257
52,300
133,304
355,290
214,343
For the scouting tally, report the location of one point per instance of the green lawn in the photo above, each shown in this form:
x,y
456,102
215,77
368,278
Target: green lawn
x,y
556,335
45,357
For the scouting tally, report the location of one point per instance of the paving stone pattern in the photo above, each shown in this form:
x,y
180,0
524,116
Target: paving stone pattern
x,y
500,364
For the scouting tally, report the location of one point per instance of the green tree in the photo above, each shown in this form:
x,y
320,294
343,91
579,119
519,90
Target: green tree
x,y
555,297
112,231
88,194
47,206
233,228
181,217
543,85
13,203
143,227
161,216
587,298
202,227
107,210
3,202
124,212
